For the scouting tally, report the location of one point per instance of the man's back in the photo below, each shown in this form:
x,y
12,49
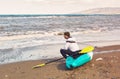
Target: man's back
x,y
71,45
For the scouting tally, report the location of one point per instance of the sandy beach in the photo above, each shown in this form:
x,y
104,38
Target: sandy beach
x,y
103,66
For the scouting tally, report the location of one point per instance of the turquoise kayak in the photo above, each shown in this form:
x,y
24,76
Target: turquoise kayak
x,y
81,60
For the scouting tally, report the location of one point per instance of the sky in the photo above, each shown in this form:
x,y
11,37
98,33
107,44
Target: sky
x,y
52,6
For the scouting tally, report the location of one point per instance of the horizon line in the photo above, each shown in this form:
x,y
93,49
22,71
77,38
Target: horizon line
x,y
55,14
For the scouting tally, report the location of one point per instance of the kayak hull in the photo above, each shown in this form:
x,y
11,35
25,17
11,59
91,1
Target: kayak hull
x,y
81,60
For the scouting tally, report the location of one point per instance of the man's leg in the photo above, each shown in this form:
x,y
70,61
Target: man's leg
x,y
65,53
76,54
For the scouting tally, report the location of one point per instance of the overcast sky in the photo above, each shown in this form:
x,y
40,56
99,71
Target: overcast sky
x,y
52,6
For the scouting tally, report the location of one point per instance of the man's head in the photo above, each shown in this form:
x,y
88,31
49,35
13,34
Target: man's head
x,y
66,35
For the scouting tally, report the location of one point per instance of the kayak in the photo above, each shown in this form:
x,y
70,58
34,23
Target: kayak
x,y
71,62
81,60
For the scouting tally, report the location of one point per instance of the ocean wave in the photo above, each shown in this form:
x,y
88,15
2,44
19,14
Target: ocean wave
x,y
33,37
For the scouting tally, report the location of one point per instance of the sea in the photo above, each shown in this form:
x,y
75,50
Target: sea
x,y
35,37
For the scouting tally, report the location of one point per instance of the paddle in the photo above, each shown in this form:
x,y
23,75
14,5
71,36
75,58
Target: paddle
x,y
43,64
84,50
87,49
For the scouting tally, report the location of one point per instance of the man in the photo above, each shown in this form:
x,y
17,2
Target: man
x,y
71,48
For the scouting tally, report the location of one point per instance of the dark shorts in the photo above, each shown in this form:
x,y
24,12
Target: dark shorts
x,y
66,53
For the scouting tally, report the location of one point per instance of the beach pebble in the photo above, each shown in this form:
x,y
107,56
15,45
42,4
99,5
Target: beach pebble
x,y
115,78
6,76
113,61
99,59
67,73
93,65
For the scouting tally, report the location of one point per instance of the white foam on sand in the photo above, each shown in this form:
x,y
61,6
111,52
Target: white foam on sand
x,y
32,47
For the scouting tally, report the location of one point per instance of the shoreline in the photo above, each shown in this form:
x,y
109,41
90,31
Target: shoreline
x,y
103,66
98,50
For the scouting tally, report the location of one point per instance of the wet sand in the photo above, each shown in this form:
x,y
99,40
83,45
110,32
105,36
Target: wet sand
x,y
103,66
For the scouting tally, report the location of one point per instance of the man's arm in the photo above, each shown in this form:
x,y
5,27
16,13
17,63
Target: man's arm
x,y
66,47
